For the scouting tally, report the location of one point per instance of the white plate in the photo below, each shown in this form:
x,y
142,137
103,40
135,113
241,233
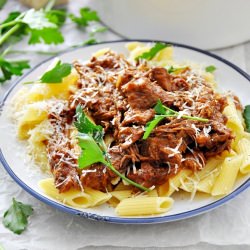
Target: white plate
x,y
12,152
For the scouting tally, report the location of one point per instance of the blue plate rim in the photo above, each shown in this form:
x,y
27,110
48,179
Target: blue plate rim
x,y
124,220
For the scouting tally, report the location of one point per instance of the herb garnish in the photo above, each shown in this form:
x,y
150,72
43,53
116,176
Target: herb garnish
x,y
210,68
16,217
93,147
172,69
162,112
246,115
153,51
54,75
86,15
10,68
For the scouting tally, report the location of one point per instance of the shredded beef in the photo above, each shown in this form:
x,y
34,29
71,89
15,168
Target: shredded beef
x,y
120,96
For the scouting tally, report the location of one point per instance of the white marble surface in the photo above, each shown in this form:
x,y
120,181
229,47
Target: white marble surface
x,y
226,228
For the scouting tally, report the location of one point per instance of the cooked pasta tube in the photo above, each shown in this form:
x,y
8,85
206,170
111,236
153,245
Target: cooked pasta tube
x,y
226,179
143,205
97,197
191,182
74,198
234,121
173,183
243,148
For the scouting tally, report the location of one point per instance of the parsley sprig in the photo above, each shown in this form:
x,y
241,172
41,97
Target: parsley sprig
x,y
93,147
246,115
149,55
54,75
163,112
16,217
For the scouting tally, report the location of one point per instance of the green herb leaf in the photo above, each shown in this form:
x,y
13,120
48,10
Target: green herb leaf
x,y
98,30
86,15
2,3
210,68
84,125
10,68
246,115
56,74
151,125
93,147
172,69
90,42
91,152
163,112
16,217
153,51
47,35
57,17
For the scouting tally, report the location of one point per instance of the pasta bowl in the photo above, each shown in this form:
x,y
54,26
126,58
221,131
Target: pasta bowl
x,y
16,162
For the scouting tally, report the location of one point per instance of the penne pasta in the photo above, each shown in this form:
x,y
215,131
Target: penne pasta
x,y
74,198
243,148
144,206
226,179
173,183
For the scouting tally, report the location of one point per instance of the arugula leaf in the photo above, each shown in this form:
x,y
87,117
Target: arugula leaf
x,y
86,15
163,112
93,147
210,68
84,125
246,115
16,217
10,68
153,51
2,3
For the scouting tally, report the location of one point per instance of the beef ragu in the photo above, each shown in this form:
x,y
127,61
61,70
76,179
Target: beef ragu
x,y
120,97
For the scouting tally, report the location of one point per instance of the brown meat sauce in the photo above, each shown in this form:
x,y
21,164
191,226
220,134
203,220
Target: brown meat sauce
x,y
120,97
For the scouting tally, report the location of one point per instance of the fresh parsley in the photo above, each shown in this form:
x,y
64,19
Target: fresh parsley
x,y
246,115
2,3
86,15
149,55
10,68
16,217
54,75
163,112
174,70
210,68
93,147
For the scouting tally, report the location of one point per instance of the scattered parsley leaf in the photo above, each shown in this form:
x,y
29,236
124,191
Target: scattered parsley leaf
x,y
90,41
98,30
93,147
57,17
48,35
153,51
10,68
246,115
86,15
163,112
16,217
210,68
2,3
